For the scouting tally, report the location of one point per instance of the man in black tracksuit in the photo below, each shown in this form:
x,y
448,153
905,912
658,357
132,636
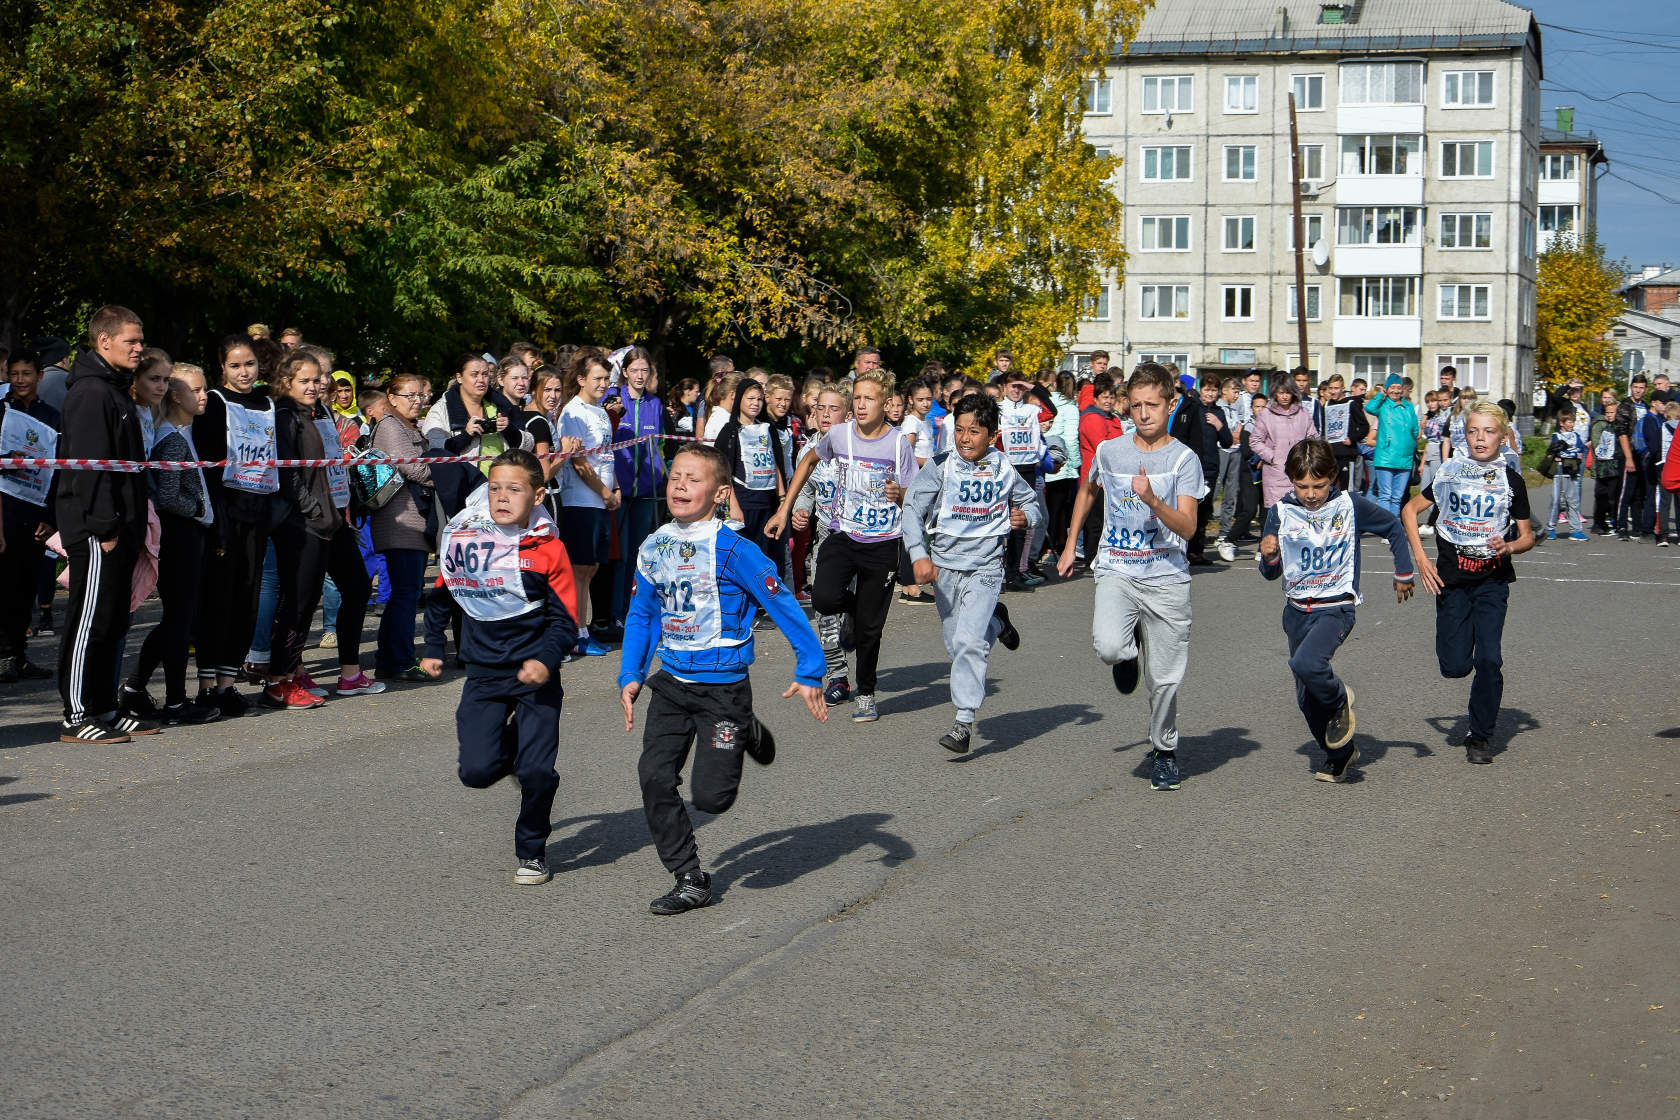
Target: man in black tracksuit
x,y
1187,423
102,522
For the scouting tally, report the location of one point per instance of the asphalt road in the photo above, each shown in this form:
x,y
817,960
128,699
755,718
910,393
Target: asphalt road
x,y
305,914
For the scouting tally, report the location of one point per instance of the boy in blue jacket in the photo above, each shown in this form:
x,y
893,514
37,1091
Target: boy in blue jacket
x,y
1312,541
698,587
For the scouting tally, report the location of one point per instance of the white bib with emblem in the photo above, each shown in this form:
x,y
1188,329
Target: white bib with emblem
x,y
823,486
250,442
864,510
757,457
974,498
1318,548
1606,448
1021,431
338,479
1135,543
24,436
681,563
1474,500
479,561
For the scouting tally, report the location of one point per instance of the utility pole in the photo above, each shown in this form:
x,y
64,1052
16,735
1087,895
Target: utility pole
x,y
1300,238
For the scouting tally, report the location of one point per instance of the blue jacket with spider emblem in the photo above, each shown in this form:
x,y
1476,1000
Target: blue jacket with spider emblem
x,y
698,588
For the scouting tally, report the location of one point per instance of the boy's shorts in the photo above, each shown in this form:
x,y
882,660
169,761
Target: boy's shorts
x,y
583,530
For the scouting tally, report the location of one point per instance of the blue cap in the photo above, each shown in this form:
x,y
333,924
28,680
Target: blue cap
x,y
1393,379
1186,381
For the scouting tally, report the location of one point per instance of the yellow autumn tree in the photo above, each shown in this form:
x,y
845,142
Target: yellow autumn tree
x,y
1576,305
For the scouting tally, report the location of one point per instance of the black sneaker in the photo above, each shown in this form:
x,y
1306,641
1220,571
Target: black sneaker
x,y
225,700
134,725
1337,770
608,634
839,691
761,748
531,873
136,702
45,629
1339,733
1008,637
762,623
1476,750
90,731
693,890
33,672
187,712
956,740
9,671
1166,774
1126,675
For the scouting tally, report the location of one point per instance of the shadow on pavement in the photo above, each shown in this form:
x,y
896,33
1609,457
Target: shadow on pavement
x,y
778,857
20,798
1198,754
1370,750
29,734
1014,729
1512,722
603,838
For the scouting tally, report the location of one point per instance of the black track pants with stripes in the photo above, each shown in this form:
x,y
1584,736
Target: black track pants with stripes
x,y
100,582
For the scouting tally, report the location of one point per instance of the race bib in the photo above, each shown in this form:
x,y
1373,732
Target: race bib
x,y
864,508
1474,500
22,434
1336,422
1135,543
1606,448
681,566
1318,548
480,567
338,479
250,441
758,457
1020,433
974,499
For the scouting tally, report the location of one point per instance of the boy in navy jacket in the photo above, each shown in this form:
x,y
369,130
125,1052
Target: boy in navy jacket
x,y
698,587
502,563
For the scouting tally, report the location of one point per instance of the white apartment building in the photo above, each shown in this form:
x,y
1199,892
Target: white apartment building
x,y
1570,165
1419,130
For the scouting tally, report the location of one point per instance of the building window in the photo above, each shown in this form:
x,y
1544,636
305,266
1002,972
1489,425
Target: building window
x,y
1466,89
1382,83
1164,235
1382,155
1528,237
1557,219
1315,230
1466,231
1467,159
1379,297
1313,364
1314,312
1242,93
1169,95
1464,301
1161,165
1238,301
1165,301
1167,358
1239,163
1557,167
1099,96
1375,368
1239,234
1312,163
1308,90
1096,307
1472,370
1237,356
1378,225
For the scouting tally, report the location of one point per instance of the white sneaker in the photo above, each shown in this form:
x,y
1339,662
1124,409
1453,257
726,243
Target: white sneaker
x,y
1426,530
1227,551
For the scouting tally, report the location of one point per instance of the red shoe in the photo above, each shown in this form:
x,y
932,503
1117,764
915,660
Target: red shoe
x,y
289,695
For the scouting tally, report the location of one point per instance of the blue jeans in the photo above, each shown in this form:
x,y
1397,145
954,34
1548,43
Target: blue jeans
x,y
407,569
331,600
1390,487
635,520
1314,637
1469,626
268,601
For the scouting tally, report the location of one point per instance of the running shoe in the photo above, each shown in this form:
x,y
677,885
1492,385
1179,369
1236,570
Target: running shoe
x,y
924,598
761,748
692,891
134,725
865,711
1551,534
1579,537
1476,750
957,739
136,701
1662,542
225,700
1166,774
838,691
255,674
1227,551
1032,577
412,675
607,633
1426,530
15,669
289,696
45,629
1008,636
762,623
1126,676
307,683
1336,770
187,712
589,647
90,731
531,873
329,640
359,685
804,598
1340,730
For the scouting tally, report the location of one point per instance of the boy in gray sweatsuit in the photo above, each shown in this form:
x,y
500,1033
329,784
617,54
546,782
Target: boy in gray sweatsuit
x,y
957,517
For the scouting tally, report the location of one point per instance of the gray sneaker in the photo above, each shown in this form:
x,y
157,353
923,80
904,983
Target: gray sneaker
x,y
956,740
1340,731
863,708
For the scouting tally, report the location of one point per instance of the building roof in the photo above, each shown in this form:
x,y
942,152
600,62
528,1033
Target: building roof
x,y
1553,138
1178,27
1668,279
1659,325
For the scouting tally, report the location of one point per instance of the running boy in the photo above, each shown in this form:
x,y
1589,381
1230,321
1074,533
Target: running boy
x,y
503,564
698,585
1151,485
1311,539
959,514
1482,523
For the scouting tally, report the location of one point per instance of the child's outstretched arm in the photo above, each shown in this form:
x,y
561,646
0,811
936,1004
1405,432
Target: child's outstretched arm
x,y
1369,517
636,655
1271,555
919,504
1426,571
750,569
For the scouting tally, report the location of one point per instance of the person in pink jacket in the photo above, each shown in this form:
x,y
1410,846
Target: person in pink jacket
x,y
1279,426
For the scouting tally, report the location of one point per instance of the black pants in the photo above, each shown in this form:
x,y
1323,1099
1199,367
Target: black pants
x,y
714,719
1197,544
1248,502
20,573
301,558
1607,492
1091,532
1018,538
1058,501
1469,630
874,566
181,551
349,572
94,627
1630,518
1314,637
227,615
508,727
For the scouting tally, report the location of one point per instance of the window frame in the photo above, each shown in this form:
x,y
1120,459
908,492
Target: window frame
x,y
1378,215
1458,289
1089,96
1370,369
1307,79
1315,295
1493,89
1574,217
1242,82
1306,176
1251,164
1367,144
1225,232
1099,309
1189,162
1384,286
1179,81
1308,218
1478,217
1345,68
1466,365
1145,290
1225,293
1456,145
1155,220
1573,160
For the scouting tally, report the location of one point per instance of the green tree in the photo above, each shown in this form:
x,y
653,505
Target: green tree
x,y
1576,305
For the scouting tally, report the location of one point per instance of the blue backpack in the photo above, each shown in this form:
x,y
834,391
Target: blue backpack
x,y
1637,437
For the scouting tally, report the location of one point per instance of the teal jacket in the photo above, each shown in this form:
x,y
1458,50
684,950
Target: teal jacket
x,y
1397,433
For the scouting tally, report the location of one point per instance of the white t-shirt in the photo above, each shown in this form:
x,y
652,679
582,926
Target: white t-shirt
x,y
589,423
1135,543
715,420
922,429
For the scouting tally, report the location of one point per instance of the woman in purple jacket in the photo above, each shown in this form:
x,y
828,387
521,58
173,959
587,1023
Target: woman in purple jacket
x,y
1279,426
640,469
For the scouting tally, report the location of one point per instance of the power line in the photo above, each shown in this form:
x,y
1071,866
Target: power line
x,y
1643,187
1609,100
1646,43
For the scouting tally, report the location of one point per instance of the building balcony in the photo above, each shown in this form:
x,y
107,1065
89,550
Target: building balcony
x,y
1379,120
1560,192
1377,260
1398,333
1379,190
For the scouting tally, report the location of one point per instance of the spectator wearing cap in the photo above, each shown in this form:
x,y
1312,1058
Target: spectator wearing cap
x,y
55,369
1397,436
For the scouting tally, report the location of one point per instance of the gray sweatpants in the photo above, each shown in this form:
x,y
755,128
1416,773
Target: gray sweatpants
x,y
966,601
1125,608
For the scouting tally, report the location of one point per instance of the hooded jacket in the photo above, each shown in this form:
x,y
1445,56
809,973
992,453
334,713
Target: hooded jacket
x,y
1276,430
101,421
